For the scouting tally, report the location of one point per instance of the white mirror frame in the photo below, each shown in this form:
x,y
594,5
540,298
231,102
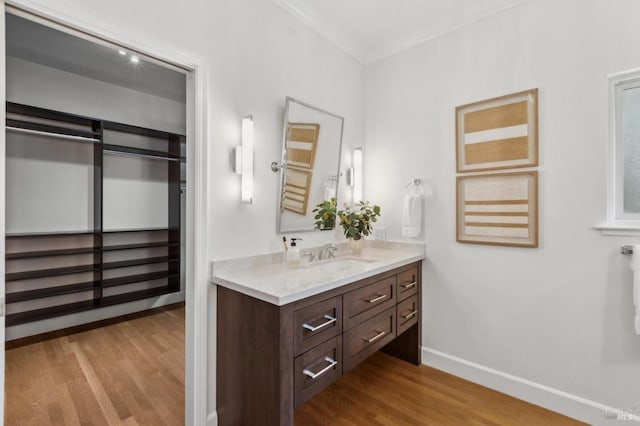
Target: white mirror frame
x,y
616,217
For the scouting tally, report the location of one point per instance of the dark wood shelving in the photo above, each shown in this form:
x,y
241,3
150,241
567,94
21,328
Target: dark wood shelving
x,y
139,246
49,312
42,293
42,273
46,128
98,241
130,279
139,151
134,295
140,131
50,234
138,262
125,230
47,253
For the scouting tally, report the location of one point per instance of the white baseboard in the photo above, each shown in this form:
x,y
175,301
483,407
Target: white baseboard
x,y
591,412
212,419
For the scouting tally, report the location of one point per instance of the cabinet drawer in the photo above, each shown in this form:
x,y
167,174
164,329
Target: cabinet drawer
x,y
366,302
365,339
407,314
407,283
316,369
317,323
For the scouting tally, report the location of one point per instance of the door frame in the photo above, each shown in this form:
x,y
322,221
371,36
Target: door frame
x,y
197,257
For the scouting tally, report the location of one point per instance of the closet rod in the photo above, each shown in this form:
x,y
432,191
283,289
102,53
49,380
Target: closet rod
x,y
50,134
132,154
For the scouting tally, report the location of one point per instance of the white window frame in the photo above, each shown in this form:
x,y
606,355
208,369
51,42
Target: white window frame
x,y
618,222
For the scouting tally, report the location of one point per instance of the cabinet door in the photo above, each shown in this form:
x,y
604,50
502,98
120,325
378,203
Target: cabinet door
x,y
408,283
407,314
362,341
317,369
317,323
368,301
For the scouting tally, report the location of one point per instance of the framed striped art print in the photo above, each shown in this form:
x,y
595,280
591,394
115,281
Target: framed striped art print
x,y
499,209
499,133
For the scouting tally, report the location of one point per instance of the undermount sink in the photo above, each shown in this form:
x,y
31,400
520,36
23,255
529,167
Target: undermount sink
x,y
342,261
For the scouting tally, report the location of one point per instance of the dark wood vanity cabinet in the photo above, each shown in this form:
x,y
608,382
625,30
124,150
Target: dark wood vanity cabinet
x,y
270,359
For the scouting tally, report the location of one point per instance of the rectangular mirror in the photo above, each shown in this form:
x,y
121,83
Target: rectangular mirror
x,y
311,164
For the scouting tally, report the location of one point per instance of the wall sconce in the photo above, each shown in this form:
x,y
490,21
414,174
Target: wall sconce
x,y
354,175
244,155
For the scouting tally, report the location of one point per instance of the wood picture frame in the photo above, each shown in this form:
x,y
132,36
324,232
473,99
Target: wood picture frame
x,y
302,143
295,193
498,209
498,133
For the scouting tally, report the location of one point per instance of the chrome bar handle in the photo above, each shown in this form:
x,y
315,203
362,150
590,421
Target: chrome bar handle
x,y
332,363
411,315
376,337
376,299
330,319
408,285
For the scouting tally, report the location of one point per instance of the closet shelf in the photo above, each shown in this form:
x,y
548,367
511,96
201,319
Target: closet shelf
x,y
138,262
53,131
125,230
42,273
140,246
42,293
47,253
50,234
135,295
49,312
147,153
130,279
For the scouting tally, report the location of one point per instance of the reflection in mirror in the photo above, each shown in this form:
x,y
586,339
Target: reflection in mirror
x,y
311,157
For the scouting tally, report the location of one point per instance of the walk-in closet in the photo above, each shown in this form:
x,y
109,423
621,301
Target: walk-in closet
x,y
95,209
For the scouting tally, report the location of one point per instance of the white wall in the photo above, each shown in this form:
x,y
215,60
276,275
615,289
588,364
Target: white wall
x,y
559,315
34,84
257,54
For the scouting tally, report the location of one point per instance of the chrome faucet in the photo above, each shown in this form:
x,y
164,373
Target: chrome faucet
x,y
326,252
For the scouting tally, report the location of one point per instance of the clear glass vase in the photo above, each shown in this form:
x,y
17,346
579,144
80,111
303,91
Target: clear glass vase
x,y
356,246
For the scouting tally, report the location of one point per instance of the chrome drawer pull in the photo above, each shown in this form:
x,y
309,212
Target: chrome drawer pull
x,y
332,363
376,299
411,315
409,285
330,319
376,337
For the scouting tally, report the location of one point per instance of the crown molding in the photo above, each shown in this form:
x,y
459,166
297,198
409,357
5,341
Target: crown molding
x,y
367,56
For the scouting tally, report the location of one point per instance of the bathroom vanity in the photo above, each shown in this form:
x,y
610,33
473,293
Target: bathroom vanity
x,y
285,334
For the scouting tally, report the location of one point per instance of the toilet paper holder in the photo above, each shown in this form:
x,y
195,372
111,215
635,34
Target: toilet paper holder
x,y
626,250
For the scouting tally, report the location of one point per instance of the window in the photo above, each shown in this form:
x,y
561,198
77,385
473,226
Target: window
x,y
624,173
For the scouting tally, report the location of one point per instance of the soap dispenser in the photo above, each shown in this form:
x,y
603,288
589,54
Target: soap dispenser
x,y
293,254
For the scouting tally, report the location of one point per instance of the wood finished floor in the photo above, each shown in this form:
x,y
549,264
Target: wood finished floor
x,y
129,373
132,373
386,391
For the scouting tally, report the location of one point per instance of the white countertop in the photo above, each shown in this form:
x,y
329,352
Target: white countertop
x,y
267,277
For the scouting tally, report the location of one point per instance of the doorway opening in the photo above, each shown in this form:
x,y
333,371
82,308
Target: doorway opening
x,y
96,209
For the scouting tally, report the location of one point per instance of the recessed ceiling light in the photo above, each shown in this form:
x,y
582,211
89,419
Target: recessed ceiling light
x,y
122,52
134,59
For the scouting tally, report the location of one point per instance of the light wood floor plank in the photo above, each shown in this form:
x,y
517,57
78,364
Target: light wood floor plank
x,y
129,373
132,373
384,391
